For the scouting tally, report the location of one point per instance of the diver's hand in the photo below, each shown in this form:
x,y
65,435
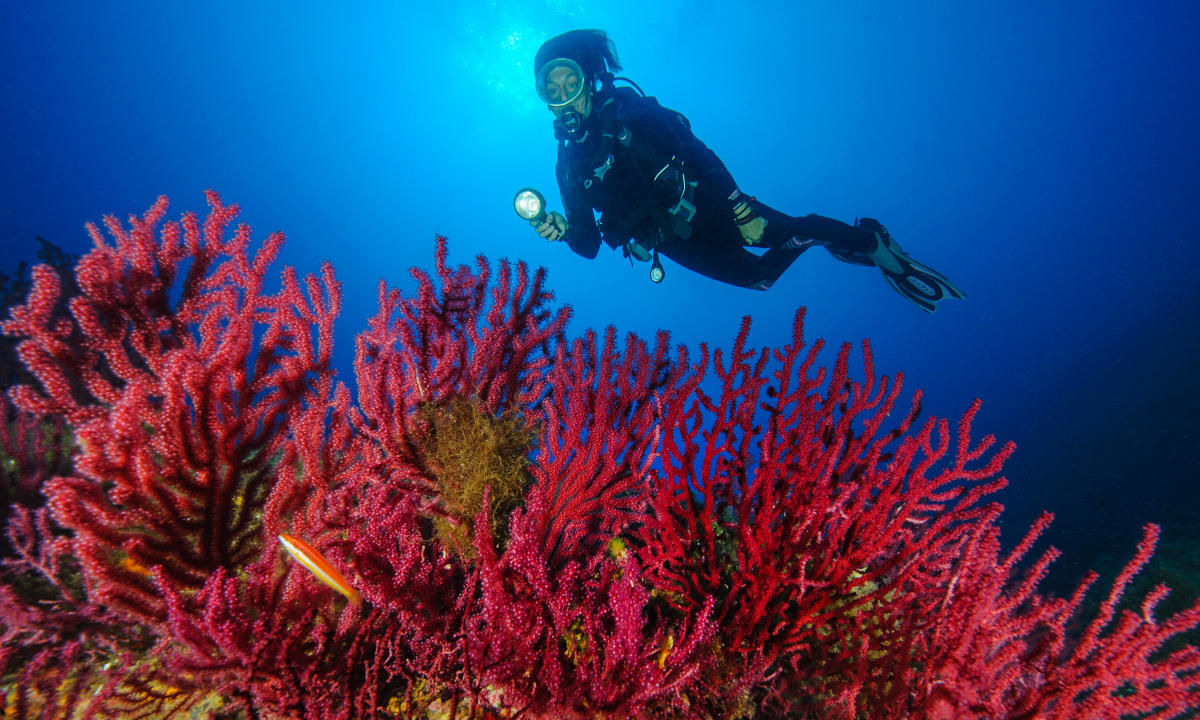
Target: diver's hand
x,y
749,223
554,227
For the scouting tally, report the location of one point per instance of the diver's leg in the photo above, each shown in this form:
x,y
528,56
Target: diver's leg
x,y
867,242
731,264
716,249
842,240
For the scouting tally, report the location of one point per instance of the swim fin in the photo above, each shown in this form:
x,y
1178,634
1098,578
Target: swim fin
x,y
921,285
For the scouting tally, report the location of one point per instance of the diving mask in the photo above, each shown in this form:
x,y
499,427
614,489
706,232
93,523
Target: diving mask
x,y
561,82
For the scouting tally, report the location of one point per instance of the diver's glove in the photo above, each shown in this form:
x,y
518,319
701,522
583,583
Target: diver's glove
x,y
554,227
749,223
922,286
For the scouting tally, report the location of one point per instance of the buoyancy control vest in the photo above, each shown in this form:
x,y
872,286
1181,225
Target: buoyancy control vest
x,y
625,162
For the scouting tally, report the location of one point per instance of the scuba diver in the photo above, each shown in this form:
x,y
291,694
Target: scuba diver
x,y
660,190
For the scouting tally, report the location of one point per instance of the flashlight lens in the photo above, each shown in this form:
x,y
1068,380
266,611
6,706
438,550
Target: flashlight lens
x,y
529,204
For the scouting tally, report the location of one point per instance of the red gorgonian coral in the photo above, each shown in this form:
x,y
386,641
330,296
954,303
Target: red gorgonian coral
x,y
540,526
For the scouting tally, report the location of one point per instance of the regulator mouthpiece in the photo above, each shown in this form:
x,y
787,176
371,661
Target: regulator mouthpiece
x,y
571,121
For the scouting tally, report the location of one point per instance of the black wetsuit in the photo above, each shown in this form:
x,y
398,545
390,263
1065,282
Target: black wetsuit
x,y
611,166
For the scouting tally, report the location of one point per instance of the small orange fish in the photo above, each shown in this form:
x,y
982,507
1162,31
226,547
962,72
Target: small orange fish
x,y
319,566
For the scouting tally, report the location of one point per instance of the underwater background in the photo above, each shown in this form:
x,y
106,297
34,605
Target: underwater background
x,y
1043,155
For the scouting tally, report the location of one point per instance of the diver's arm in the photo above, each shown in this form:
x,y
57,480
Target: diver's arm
x,y
582,234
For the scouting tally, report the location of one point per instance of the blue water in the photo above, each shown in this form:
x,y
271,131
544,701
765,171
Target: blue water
x,y
1043,155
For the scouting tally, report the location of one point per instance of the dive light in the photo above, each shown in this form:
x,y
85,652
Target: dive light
x,y
530,205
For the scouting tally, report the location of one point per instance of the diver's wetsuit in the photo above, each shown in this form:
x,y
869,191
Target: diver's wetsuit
x,y
611,165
